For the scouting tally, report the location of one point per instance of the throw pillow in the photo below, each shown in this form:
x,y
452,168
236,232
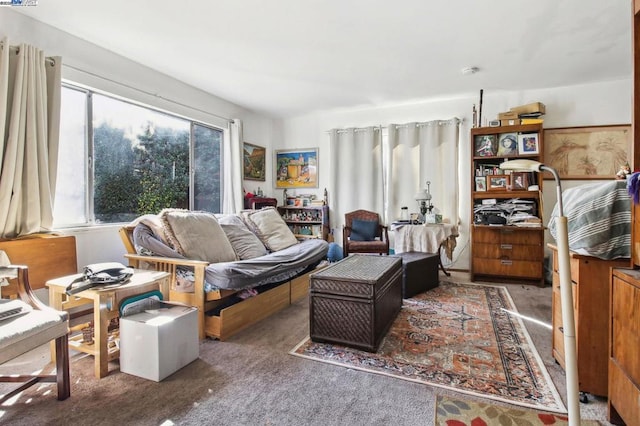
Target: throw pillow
x,y
363,230
244,242
197,235
269,226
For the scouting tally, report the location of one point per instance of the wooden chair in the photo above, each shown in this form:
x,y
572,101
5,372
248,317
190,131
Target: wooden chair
x,y
27,331
380,244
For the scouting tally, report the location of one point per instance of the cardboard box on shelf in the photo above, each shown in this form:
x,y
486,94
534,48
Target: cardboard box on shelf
x,y
535,107
159,341
511,122
509,115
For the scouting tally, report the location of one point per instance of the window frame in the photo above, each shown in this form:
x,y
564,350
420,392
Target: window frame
x,y
89,169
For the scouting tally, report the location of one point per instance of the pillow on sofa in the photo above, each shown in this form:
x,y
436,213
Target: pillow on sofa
x,y
269,226
363,230
244,242
197,235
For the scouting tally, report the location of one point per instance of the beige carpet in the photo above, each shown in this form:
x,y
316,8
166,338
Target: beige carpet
x,y
252,380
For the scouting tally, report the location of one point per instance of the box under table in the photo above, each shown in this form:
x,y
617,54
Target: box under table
x,y
354,302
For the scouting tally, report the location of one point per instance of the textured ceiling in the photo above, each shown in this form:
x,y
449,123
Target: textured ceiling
x,y
291,57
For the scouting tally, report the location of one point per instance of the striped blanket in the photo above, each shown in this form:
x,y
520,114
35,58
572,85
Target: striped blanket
x,y
599,219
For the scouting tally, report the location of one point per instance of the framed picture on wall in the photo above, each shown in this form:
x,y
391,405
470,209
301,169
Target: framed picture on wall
x,y
254,159
595,152
296,168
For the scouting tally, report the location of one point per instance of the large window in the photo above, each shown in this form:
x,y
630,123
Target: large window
x,y
118,160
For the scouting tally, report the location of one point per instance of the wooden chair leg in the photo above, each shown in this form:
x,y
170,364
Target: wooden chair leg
x,y
62,367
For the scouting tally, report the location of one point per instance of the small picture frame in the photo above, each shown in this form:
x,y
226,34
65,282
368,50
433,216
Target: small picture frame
x,y
481,183
519,181
507,144
497,182
485,146
528,144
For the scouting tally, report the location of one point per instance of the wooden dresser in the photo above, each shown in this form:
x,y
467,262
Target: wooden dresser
x,y
624,348
590,278
624,323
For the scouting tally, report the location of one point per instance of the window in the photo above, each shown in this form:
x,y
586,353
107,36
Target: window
x,y
134,160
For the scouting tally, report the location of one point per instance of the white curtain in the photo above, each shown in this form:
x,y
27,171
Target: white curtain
x,y
421,152
356,177
30,86
232,195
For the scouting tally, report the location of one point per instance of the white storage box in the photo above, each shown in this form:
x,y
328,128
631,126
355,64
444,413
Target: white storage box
x,y
158,342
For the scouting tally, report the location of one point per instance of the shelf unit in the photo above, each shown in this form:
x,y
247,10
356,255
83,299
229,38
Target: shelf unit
x,y
307,222
505,252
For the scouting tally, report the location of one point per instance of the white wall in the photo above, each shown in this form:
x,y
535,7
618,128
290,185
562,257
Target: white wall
x,y
87,64
585,105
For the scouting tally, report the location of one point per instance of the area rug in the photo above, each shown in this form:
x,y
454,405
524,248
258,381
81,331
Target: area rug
x,y
459,337
456,412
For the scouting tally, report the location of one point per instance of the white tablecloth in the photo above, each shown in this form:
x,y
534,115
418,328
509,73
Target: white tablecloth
x,y
425,238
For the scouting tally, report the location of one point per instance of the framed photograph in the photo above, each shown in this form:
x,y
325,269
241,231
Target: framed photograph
x,y
497,182
254,158
481,183
507,144
519,181
485,146
296,168
528,144
595,152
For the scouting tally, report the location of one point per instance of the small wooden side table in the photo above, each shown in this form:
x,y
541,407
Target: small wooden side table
x,y
106,301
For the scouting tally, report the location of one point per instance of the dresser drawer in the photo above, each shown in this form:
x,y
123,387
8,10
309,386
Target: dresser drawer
x,y
507,235
508,251
508,268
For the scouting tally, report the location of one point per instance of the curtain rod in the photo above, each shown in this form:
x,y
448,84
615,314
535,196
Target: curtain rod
x,y
16,49
454,120
155,95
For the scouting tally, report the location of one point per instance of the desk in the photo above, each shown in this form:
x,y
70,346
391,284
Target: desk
x,y
106,304
428,238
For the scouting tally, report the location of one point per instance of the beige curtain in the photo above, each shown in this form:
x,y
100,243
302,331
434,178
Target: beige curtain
x,y
232,195
356,176
30,87
421,152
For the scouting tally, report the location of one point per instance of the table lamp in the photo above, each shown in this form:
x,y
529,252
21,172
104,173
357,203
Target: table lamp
x,y
424,201
566,292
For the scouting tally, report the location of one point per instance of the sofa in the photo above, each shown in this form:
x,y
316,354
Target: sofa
x,y
235,268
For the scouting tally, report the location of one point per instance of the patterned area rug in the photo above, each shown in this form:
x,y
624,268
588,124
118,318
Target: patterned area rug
x,y
455,412
459,337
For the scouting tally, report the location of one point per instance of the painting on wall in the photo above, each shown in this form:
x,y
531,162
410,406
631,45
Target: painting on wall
x,y
296,168
254,158
595,152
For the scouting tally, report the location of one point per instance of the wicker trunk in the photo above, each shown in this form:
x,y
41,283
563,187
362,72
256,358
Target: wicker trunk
x,y
354,301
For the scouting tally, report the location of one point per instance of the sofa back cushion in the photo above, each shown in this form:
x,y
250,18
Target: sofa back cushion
x,y
197,235
269,226
244,242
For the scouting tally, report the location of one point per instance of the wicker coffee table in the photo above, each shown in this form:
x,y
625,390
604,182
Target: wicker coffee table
x,y
353,302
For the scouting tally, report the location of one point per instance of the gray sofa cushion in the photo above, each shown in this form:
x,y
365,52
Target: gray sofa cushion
x,y
269,226
244,242
197,235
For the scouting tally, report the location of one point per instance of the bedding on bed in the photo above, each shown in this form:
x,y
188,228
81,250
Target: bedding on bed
x,y
599,219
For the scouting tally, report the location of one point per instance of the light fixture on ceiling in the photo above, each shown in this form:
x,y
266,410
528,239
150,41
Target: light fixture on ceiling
x,y
470,70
